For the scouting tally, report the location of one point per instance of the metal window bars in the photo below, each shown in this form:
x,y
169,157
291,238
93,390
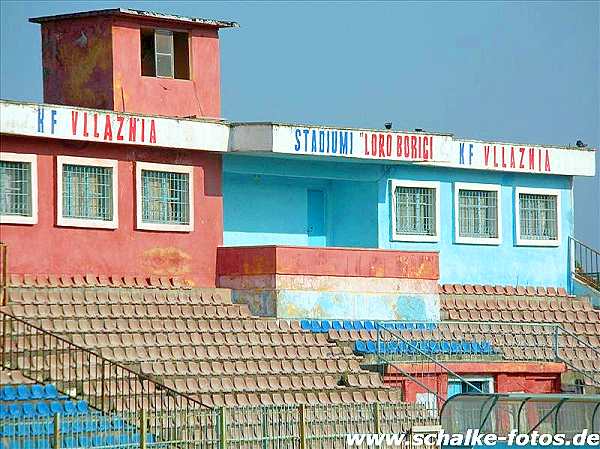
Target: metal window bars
x,y
87,192
478,213
15,188
538,216
415,210
165,197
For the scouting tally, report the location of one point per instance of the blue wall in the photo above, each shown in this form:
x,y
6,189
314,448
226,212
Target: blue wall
x,y
265,203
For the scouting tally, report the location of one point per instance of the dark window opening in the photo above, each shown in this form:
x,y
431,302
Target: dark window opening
x,y
165,54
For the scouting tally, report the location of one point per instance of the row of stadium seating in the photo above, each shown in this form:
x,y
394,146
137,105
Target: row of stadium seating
x,y
358,325
24,392
425,346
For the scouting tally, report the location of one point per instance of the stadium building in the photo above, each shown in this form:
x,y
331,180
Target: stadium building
x,y
160,258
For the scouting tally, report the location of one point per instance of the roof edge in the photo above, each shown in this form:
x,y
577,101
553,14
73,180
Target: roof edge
x,y
139,14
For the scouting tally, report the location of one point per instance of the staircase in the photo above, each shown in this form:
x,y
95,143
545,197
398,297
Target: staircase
x,y
585,263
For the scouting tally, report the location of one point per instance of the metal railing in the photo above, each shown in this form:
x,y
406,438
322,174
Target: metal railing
x,y
3,273
260,427
78,372
494,341
585,263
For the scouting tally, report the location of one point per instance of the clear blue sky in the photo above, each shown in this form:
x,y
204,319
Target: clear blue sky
x,y
511,71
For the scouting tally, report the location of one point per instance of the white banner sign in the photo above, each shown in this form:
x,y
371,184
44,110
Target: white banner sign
x,y
430,149
63,122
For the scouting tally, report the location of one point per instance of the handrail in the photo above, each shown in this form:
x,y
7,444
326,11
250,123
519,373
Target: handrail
x,y
583,343
3,273
77,371
584,262
379,327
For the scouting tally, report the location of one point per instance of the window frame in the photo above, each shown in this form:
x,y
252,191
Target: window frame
x,y
397,237
483,379
458,186
169,33
61,220
139,190
537,191
32,160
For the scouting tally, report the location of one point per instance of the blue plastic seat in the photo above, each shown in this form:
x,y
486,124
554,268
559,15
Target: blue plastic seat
x,y
360,346
371,347
402,347
337,325
368,325
455,347
15,410
85,440
445,347
38,428
409,326
465,347
23,392
420,326
475,347
65,427
8,430
347,325
315,326
3,411
70,408
103,424
43,444
400,326
325,325
50,391
9,393
486,347
77,426
82,406
111,440
90,425
435,347
392,347
358,325
42,409
69,442
98,440
37,392
117,423
56,407
29,409
23,429
305,325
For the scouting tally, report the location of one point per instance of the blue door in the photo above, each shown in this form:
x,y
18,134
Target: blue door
x,y
316,218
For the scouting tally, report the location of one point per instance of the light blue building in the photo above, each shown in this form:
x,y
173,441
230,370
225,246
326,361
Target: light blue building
x,y
497,213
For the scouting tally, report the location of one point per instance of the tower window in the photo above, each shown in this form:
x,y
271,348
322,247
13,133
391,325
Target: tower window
x,y
165,54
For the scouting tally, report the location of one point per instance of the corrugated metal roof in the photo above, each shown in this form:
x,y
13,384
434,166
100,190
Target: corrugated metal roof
x,y
139,14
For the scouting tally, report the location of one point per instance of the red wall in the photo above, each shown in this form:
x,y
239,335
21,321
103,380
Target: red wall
x,y
257,260
199,96
45,248
77,62
95,62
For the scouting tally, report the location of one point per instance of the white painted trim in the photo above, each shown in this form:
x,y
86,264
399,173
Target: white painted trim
x,y
537,191
32,159
187,169
477,240
488,379
413,237
84,222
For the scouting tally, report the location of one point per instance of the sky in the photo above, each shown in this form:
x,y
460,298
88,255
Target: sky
x,y
523,72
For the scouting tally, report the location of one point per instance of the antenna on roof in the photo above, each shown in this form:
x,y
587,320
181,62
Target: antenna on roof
x,y
388,125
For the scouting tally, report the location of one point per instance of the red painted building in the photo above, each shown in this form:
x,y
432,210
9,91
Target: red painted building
x,y
115,193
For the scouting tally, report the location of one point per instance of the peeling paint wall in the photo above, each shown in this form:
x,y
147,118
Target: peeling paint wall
x,y
198,96
332,283
77,62
122,251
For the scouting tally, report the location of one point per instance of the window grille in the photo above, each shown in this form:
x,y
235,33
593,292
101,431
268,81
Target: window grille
x,y
15,188
415,211
165,197
538,216
478,213
87,192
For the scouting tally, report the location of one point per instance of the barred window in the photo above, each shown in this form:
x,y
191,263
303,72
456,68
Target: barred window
x,y
165,197
538,216
415,211
87,192
478,213
15,188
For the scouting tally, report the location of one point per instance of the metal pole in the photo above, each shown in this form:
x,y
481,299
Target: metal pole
x,y
377,416
56,433
302,425
143,424
222,428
